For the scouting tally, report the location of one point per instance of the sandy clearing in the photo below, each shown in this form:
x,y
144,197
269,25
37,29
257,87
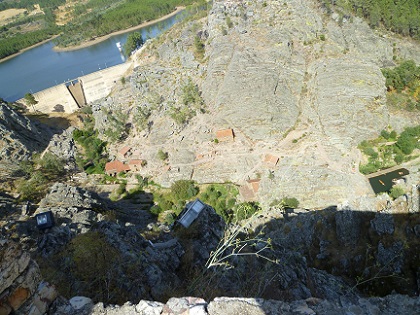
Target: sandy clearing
x,y
6,15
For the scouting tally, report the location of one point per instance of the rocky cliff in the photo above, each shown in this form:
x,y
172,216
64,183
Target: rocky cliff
x,y
294,84
290,80
316,262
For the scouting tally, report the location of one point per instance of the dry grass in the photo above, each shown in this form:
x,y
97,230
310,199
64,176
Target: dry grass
x,y
7,15
64,13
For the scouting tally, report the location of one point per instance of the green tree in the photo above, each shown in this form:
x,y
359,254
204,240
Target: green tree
x,y
245,210
134,41
30,100
183,190
290,202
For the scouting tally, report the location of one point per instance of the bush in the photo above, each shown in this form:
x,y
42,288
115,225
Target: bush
x,y
385,134
162,155
92,260
290,202
183,190
33,189
121,188
396,191
399,158
369,168
245,210
199,48
94,157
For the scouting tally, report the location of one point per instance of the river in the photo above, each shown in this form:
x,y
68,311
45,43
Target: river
x,y
41,67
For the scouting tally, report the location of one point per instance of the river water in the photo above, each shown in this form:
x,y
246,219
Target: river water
x,y
42,67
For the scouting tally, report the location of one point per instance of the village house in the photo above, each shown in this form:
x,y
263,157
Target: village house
x,y
250,189
271,160
225,135
136,165
115,167
124,153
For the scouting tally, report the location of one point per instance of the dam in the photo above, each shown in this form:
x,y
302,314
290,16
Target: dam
x,y
69,96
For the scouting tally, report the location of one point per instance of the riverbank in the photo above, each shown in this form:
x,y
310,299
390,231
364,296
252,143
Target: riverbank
x,y
105,37
27,48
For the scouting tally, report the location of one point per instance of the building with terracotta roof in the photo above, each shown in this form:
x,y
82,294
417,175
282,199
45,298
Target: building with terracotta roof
x,y
124,152
115,167
271,160
225,135
250,189
136,165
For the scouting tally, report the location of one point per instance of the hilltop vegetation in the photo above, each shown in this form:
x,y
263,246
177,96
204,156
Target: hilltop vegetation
x,y
403,85
84,20
398,16
90,24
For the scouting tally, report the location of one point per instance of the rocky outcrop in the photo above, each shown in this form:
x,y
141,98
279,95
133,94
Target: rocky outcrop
x,y
373,249
290,80
19,137
21,288
67,196
63,146
389,305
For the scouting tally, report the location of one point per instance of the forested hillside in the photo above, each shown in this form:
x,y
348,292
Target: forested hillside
x,y
91,24
84,20
400,16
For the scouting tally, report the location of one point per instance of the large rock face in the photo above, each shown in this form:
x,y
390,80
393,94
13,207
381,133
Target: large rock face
x,y
290,80
21,288
19,137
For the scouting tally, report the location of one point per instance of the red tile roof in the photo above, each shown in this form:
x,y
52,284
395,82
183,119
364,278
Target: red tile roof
x,y
225,134
116,166
124,150
271,159
255,184
135,162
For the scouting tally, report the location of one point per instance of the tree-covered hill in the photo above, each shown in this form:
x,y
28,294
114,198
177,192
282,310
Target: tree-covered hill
x,y
84,20
400,16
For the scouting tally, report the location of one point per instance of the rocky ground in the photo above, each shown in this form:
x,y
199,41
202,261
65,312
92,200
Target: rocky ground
x,y
293,83
309,262
290,81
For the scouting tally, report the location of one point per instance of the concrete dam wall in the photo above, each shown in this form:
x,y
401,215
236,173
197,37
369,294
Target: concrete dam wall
x,y
68,98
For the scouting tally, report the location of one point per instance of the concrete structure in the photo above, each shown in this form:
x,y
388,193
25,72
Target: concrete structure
x,y
99,84
89,88
54,99
78,94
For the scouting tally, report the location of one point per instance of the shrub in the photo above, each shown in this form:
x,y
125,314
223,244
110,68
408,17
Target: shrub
x,y
141,117
229,22
396,191
369,168
162,155
245,210
385,134
199,47
183,190
51,163
121,188
290,202
399,158
92,260
191,94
